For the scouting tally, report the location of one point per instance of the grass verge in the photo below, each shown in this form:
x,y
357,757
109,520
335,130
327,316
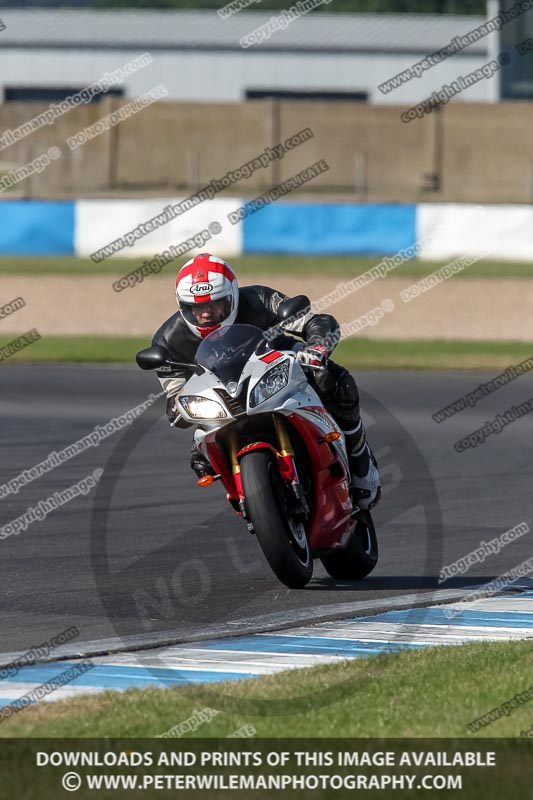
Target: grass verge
x,y
96,349
250,265
431,692
353,353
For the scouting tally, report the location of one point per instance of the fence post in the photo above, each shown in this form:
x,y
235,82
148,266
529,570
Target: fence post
x,y
529,188
360,175
193,165
113,147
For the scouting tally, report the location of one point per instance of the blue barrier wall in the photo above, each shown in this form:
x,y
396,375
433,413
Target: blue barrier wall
x,y
35,227
310,228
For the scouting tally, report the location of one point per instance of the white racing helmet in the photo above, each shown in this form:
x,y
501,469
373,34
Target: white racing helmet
x,y
207,279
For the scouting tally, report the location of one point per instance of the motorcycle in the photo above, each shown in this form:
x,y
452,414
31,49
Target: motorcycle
x,y
279,454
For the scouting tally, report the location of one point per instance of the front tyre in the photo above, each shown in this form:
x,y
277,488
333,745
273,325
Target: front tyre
x,y
282,540
359,558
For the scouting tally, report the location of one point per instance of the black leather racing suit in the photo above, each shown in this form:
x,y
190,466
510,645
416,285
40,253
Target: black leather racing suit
x,y
258,306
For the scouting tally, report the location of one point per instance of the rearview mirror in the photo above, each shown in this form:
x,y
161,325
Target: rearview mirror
x,y
152,357
158,357
294,306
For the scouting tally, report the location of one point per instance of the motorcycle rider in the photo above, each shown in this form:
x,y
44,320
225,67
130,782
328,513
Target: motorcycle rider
x,y
208,298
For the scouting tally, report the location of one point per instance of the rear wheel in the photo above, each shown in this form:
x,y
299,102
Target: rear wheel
x,y
282,539
359,558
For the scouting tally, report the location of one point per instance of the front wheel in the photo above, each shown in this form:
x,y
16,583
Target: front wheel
x,y
359,558
282,540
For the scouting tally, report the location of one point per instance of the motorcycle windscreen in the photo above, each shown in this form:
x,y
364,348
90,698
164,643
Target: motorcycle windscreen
x,y
226,351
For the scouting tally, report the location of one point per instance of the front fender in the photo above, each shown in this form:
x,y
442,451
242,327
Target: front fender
x,y
285,460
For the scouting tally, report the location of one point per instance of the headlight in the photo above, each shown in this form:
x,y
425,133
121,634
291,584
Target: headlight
x,y
202,407
272,381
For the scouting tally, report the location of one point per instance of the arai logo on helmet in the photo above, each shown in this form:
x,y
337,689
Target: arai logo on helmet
x,y
201,288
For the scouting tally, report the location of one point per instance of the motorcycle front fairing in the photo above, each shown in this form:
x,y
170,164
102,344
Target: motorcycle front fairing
x,y
238,359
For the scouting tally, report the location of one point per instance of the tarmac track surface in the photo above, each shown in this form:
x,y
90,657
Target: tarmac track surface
x,y
149,554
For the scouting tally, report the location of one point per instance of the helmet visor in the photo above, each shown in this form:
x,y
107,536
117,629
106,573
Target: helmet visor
x,y
205,315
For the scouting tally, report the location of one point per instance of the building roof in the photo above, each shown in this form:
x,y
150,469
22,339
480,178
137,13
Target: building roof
x,y
180,30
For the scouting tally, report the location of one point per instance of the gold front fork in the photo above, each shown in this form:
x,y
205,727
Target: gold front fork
x,y
233,451
281,433
283,437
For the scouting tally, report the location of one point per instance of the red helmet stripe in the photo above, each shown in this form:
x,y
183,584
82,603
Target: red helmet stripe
x,y
201,264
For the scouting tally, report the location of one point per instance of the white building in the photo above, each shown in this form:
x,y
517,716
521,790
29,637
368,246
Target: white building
x,y
198,55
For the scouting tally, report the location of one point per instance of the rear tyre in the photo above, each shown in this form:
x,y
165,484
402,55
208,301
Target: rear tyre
x,y
282,540
360,557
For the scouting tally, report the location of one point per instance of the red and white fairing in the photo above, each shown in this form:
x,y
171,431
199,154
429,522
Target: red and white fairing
x,y
331,522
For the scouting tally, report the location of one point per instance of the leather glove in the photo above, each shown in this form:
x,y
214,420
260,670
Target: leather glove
x,y
313,355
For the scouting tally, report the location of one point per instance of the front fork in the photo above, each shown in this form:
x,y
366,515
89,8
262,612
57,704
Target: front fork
x,y
285,457
299,506
236,470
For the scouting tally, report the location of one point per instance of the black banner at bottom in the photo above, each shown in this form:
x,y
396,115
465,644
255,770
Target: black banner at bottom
x,y
260,768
